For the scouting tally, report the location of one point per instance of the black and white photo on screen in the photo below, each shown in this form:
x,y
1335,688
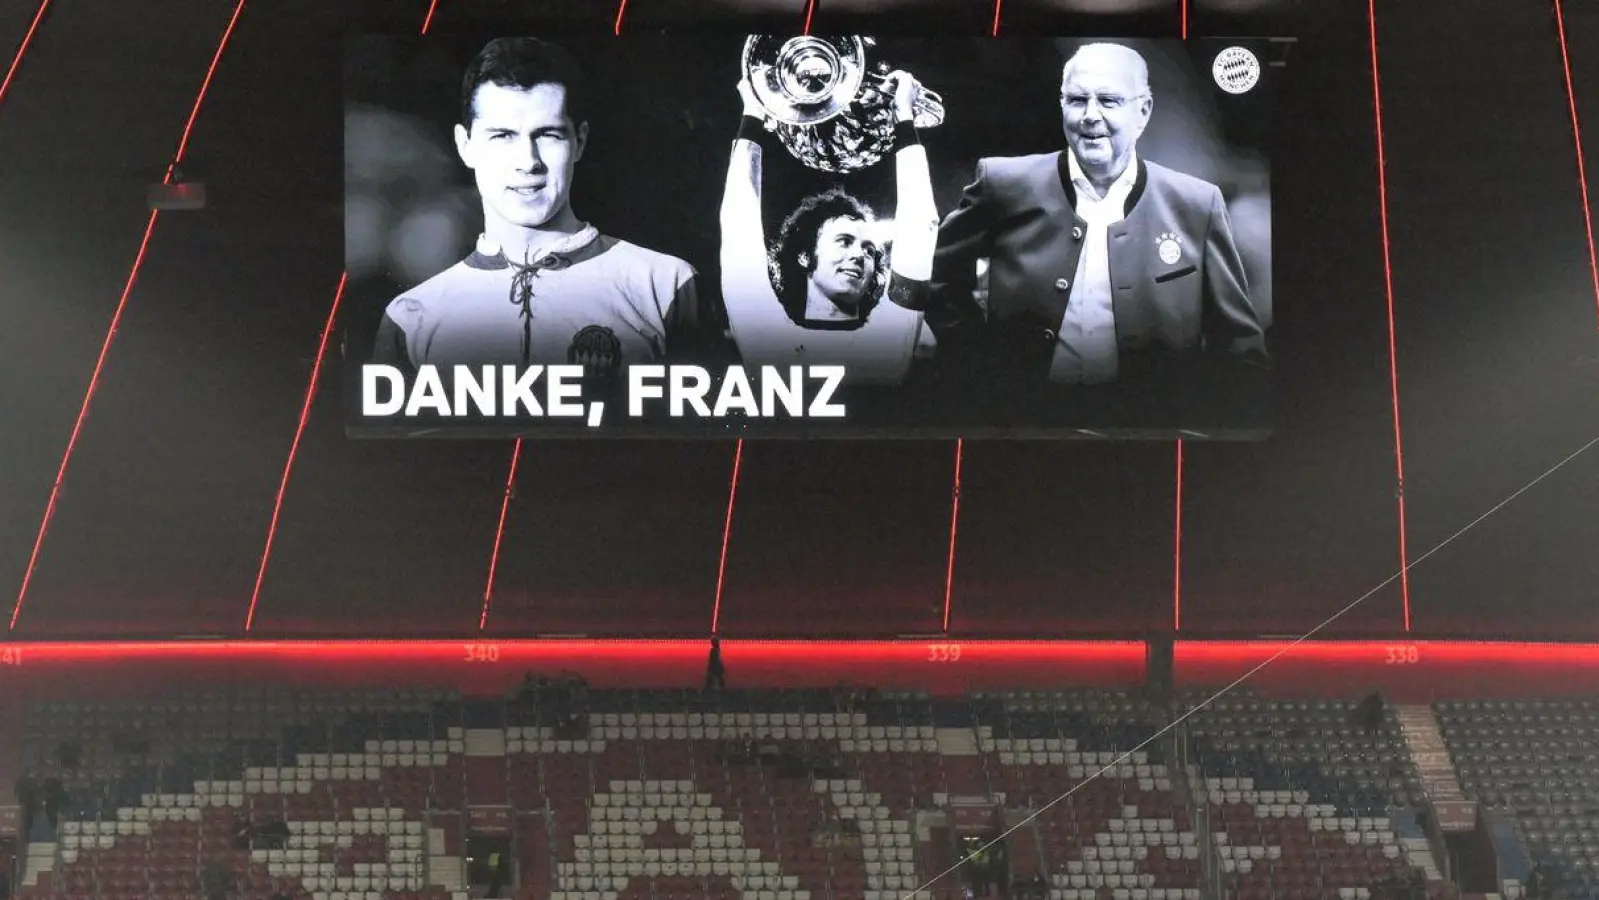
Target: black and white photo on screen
x,y
1008,235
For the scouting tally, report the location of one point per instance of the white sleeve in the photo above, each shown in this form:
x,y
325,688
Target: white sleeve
x,y
743,234
915,215
754,314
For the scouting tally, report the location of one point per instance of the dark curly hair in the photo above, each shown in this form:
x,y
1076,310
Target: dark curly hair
x,y
523,63
797,237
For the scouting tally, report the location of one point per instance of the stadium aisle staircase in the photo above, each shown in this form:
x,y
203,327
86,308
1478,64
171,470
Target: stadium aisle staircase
x,y
1533,763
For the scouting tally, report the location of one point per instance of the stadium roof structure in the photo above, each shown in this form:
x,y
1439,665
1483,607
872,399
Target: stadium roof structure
x,y
157,373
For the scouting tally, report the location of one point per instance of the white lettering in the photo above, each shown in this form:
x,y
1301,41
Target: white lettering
x,y
736,394
791,391
428,394
566,384
474,391
470,390
822,407
685,393
641,386
372,379
517,390
767,392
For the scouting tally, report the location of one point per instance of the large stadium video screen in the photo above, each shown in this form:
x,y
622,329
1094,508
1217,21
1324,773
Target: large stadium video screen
x,y
807,236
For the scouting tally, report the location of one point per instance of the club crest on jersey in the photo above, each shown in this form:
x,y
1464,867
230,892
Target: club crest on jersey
x,y
598,350
1169,247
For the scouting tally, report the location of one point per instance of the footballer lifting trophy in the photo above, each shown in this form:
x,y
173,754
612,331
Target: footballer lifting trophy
x,y
832,109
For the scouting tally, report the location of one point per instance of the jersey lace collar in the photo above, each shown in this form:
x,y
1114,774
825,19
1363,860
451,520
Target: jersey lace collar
x,y
489,255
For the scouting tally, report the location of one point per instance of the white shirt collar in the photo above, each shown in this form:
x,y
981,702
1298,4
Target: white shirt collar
x,y
569,244
1122,186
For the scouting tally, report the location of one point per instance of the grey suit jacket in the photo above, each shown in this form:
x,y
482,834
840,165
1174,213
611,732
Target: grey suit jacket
x,y
1190,301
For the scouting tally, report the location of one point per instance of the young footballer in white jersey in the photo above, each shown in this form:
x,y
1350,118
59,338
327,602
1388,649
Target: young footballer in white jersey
x,y
815,297
542,287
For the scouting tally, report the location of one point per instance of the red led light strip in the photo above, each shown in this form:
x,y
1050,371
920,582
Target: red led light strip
x,y
820,652
499,533
305,417
1183,24
621,10
810,10
294,446
22,49
1177,548
194,112
727,534
116,321
77,425
954,522
427,20
576,649
1576,132
998,6
1388,290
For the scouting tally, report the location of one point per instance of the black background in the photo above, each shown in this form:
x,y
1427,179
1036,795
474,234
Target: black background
x,y
165,507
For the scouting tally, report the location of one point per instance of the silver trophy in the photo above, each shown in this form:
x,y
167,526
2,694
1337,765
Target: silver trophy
x,y
833,110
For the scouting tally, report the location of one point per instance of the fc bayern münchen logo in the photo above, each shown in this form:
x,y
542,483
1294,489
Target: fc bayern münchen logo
x,y
1236,70
598,350
1169,246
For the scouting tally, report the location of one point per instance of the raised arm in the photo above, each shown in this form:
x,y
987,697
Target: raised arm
x,y
915,212
745,279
